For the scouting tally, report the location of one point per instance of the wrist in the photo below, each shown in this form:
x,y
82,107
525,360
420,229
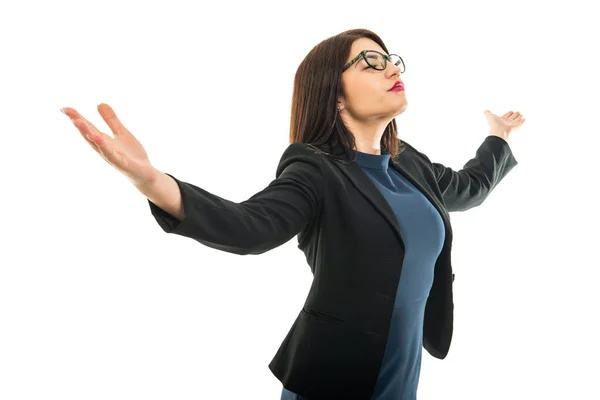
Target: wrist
x,y
503,137
498,132
149,181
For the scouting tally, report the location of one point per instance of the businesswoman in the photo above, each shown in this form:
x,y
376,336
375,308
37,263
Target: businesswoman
x,y
370,212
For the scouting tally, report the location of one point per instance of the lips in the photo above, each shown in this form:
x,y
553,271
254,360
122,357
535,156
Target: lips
x,y
397,84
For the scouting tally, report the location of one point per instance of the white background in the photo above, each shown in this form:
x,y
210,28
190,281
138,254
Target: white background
x,y
97,302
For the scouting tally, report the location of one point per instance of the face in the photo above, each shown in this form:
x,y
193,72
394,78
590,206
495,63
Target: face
x,y
367,96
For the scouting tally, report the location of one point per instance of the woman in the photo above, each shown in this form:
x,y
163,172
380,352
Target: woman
x,y
370,212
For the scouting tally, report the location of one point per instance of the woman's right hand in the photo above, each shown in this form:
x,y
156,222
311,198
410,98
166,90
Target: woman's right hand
x,y
124,151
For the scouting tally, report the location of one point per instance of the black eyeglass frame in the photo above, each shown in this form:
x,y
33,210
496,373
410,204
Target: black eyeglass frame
x,y
386,58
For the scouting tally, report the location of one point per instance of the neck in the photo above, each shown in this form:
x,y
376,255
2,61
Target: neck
x,y
368,147
367,132
368,136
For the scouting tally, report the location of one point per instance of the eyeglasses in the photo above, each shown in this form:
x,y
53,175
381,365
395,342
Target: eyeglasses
x,y
377,60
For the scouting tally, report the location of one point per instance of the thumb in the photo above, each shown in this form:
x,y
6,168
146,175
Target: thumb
x,y
487,111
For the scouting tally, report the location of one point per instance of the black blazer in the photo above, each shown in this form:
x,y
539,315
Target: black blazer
x,y
353,245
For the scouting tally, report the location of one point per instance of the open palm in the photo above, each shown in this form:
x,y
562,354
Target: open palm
x,y
505,123
124,151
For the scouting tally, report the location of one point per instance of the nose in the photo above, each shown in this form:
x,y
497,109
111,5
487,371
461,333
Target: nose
x,y
395,69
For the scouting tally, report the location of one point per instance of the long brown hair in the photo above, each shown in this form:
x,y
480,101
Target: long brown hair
x,y
317,86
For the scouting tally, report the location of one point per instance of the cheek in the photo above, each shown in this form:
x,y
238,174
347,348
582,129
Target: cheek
x,y
366,92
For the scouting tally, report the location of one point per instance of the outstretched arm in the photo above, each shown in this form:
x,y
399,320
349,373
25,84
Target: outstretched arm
x,y
266,220
469,187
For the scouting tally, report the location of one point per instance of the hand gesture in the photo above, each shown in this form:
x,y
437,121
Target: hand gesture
x,y
124,151
502,126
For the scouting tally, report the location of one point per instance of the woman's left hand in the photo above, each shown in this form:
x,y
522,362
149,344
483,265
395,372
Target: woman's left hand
x,y
502,126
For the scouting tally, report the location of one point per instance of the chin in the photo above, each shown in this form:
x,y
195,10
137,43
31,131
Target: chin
x,y
401,109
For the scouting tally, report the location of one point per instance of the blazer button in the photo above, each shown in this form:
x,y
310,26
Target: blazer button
x,y
452,277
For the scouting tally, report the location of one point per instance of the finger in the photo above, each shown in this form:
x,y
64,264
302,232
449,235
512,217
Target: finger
x,y
111,119
85,132
73,114
107,148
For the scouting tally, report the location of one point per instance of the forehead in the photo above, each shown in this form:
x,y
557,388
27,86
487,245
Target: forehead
x,y
364,44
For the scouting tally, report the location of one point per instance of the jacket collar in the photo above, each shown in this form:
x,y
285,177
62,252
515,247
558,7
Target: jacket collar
x,y
367,188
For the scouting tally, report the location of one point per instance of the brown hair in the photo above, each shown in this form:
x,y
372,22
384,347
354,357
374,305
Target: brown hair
x,y
317,85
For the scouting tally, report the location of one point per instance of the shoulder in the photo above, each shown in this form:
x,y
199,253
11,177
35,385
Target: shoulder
x,y
304,149
405,146
304,157
408,150
300,151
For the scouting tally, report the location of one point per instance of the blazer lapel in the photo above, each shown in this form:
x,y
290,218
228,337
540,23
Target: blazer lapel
x,y
363,184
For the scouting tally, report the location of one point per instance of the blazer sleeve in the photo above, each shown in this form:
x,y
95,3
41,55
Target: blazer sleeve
x,y
266,220
469,187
